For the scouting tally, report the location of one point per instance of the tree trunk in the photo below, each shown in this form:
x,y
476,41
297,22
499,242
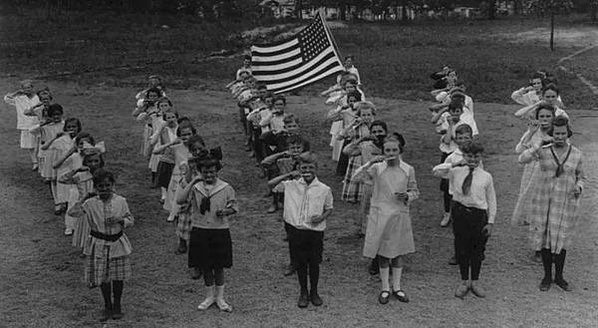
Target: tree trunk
x,y
299,9
492,9
594,10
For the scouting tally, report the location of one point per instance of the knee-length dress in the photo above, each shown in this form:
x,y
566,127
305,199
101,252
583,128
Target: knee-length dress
x,y
554,207
46,157
353,189
84,185
62,146
107,260
529,177
389,232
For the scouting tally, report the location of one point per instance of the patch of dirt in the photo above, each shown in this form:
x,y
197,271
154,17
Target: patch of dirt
x,y
563,36
40,275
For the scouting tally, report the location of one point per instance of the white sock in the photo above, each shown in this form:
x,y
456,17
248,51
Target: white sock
x,y
163,192
396,278
384,273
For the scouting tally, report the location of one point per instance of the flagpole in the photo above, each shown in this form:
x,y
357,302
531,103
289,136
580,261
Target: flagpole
x,y
329,33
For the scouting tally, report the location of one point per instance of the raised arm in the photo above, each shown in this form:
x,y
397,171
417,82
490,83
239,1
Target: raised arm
x,y
527,110
438,114
530,154
184,195
519,95
272,183
58,162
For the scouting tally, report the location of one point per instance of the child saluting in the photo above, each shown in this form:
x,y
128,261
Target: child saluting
x,y
473,212
210,245
307,205
108,248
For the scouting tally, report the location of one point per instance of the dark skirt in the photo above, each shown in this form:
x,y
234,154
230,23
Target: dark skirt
x,y
343,161
210,248
164,173
305,246
444,183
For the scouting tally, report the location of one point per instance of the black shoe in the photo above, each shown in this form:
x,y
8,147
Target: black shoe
x,y
315,299
453,260
303,300
117,313
289,271
563,284
106,314
545,284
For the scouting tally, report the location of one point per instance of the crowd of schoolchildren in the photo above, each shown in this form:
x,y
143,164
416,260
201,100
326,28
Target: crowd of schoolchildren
x,y
377,180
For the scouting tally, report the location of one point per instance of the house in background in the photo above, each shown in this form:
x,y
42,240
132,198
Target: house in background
x,y
279,8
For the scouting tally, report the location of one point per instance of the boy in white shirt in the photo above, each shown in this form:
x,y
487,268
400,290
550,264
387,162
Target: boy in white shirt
x,y
307,205
473,212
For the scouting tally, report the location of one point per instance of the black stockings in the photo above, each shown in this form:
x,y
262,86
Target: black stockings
x,y
213,275
314,276
115,287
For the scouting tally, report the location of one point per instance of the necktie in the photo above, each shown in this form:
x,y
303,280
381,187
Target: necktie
x,y
465,188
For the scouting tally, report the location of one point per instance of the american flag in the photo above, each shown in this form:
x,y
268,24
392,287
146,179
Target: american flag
x,y
291,64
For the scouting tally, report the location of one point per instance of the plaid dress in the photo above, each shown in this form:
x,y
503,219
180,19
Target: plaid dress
x,y
554,208
106,260
529,178
353,189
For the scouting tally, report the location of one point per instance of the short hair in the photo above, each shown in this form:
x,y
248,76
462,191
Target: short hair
x,y
280,97
55,108
163,99
379,123
208,162
101,175
365,105
538,75
290,118
473,148
398,138
154,90
196,139
86,157
355,94
455,104
72,119
295,139
308,158
464,129
85,135
185,124
560,121
247,57
547,106
550,86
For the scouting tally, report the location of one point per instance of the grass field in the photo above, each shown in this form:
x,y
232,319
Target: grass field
x,y
40,276
492,57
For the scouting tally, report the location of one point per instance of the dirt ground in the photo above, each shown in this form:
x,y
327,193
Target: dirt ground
x,y
40,273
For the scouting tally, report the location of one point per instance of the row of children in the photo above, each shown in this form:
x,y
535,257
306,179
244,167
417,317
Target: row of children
x,y
71,162
552,180
552,223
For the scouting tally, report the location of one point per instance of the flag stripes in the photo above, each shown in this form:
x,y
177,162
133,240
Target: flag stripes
x,y
286,65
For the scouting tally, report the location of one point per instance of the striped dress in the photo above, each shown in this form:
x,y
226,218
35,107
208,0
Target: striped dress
x,y
554,207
